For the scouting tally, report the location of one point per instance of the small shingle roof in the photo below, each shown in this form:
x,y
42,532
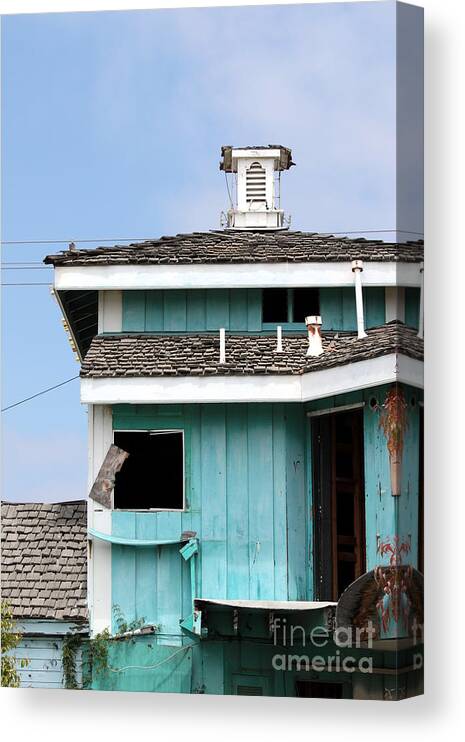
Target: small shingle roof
x,y
285,158
199,355
232,246
44,559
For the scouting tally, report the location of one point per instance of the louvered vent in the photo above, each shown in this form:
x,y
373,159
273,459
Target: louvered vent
x,y
255,184
249,690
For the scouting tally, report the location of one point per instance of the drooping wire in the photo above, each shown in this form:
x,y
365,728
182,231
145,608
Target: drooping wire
x,y
39,394
149,239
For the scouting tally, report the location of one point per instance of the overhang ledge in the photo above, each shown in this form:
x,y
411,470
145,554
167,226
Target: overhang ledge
x,y
387,369
263,605
233,275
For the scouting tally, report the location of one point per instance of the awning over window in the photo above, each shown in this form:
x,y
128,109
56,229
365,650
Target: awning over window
x,y
263,605
260,619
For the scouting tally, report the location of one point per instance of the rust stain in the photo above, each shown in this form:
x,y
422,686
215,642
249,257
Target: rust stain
x,y
394,423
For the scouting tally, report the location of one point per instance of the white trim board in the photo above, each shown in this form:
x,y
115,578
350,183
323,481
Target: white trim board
x,y
110,311
235,275
100,438
315,385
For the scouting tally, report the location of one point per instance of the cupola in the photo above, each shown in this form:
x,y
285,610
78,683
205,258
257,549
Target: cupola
x,y
255,186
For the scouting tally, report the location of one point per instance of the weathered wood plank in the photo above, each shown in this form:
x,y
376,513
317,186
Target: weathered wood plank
x,y
260,471
133,311
213,457
237,464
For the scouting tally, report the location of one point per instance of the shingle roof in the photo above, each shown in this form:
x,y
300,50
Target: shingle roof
x,y
44,559
285,159
198,355
230,246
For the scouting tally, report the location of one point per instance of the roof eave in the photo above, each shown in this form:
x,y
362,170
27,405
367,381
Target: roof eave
x,y
388,368
234,275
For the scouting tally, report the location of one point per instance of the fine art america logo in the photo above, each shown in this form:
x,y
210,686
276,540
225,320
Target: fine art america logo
x,y
340,640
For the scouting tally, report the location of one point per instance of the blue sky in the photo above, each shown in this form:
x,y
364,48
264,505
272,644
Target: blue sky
x,y
112,127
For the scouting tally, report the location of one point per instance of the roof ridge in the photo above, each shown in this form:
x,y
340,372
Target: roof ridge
x,y
246,246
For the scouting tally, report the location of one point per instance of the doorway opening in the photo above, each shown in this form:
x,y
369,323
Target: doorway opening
x,y
338,493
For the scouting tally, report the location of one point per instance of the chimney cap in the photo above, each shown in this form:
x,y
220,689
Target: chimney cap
x,y
313,319
282,155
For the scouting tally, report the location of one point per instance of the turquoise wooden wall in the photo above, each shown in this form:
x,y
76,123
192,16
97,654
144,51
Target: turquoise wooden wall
x,y
388,515
237,310
219,665
337,308
249,499
144,665
245,498
192,310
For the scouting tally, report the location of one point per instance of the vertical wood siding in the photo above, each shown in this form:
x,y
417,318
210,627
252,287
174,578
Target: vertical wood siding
x,y
249,499
338,312
197,310
388,516
238,310
168,667
246,499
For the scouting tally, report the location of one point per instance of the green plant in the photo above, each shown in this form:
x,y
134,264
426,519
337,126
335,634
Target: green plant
x,y
10,639
96,660
96,649
71,645
122,626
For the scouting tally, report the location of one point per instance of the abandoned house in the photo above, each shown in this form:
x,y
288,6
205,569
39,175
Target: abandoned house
x,y
255,415
44,580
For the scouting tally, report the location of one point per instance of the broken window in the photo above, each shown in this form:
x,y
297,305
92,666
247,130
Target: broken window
x,y
289,305
274,308
305,302
152,478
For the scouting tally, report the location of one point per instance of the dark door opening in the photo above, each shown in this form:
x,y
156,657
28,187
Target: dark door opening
x,y
315,689
153,475
338,492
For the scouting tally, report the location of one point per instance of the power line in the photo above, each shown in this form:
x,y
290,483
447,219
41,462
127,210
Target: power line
x,y
39,394
35,283
67,241
145,239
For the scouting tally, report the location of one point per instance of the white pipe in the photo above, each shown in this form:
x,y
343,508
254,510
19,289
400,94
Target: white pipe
x,y
421,319
279,339
222,346
357,268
